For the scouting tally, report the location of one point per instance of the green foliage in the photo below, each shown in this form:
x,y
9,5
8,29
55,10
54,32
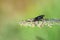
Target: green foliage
x,y
13,31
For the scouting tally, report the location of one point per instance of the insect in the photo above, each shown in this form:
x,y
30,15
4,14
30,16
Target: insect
x,y
39,21
39,18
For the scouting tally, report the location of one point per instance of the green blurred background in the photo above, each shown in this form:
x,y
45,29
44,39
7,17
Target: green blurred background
x,y
13,11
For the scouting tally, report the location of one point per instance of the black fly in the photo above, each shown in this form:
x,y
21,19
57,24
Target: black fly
x,y
38,18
